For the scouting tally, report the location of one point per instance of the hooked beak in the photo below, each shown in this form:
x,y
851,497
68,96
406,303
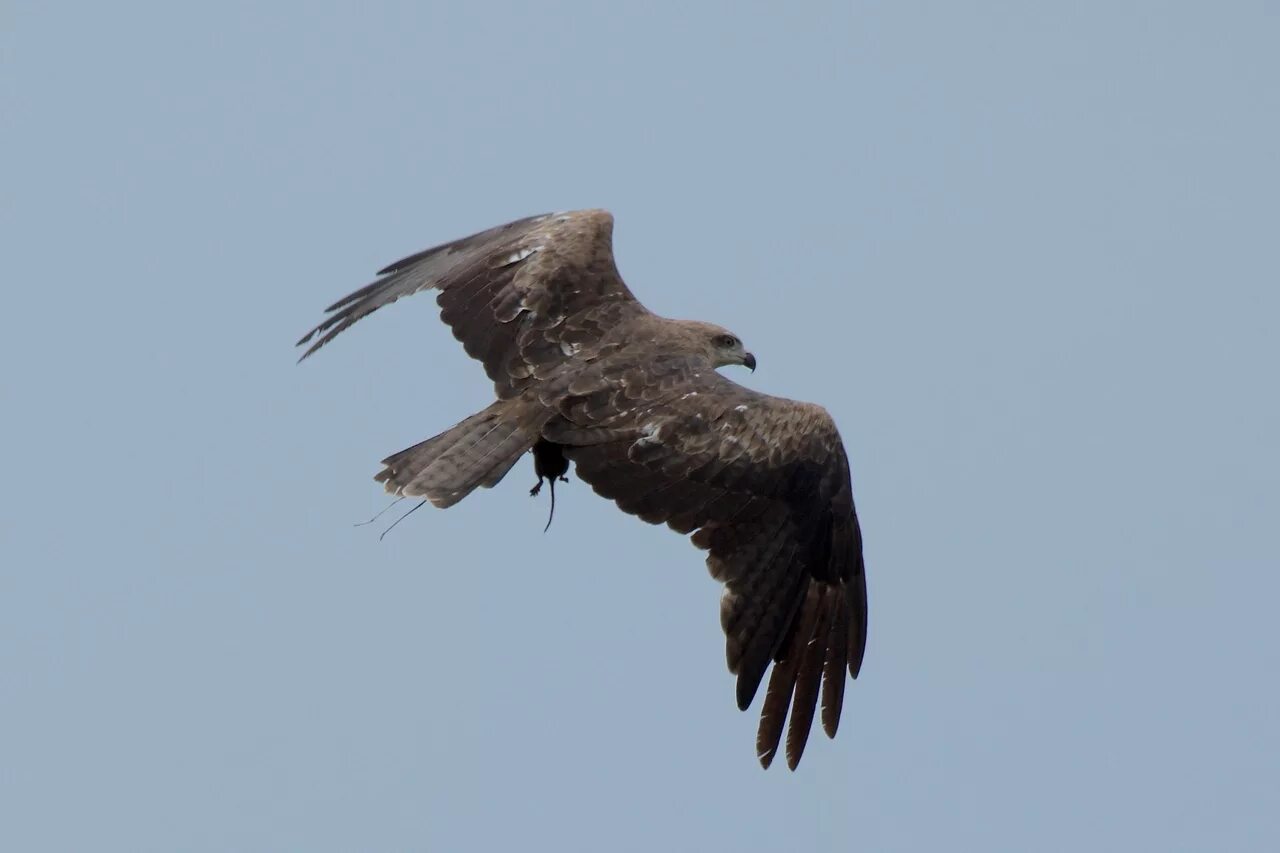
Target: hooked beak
x,y
749,360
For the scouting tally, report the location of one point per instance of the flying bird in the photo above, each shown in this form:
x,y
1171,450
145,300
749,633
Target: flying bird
x,y
585,374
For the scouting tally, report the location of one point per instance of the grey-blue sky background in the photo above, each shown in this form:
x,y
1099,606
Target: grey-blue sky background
x,y
1026,254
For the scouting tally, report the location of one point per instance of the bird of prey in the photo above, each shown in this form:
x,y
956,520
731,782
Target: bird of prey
x,y
584,373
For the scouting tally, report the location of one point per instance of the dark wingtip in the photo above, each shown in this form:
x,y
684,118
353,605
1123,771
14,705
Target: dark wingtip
x,y
314,346
310,349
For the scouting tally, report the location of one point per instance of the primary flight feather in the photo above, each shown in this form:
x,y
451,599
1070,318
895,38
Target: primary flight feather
x,y
586,374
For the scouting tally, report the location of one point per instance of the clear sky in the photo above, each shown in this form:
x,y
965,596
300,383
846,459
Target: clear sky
x,y
1026,254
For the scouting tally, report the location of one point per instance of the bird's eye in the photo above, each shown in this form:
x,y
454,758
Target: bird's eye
x,y
727,341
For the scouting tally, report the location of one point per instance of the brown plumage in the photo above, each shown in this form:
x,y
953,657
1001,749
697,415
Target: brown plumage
x,y
585,374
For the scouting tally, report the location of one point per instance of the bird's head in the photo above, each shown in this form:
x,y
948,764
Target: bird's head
x,y
721,346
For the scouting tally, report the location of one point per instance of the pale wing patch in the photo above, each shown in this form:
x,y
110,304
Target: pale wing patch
x,y
648,436
517,256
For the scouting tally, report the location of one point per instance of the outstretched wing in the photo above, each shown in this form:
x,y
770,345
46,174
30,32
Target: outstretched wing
x,y
520,297
765,484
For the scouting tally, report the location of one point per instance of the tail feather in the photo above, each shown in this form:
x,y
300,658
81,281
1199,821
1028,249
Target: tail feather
x,y
479,451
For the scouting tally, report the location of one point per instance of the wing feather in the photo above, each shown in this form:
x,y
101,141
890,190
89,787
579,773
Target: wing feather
x,y
809,676
833,670
777,699
516,296
762,483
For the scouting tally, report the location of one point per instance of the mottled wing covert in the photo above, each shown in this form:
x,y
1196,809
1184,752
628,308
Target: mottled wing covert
x,y
762,483
519,297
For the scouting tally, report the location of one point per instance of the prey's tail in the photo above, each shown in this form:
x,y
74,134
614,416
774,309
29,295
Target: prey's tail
x,y
477,452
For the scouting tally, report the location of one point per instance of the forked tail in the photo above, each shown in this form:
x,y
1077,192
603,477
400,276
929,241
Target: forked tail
x,y
479,451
